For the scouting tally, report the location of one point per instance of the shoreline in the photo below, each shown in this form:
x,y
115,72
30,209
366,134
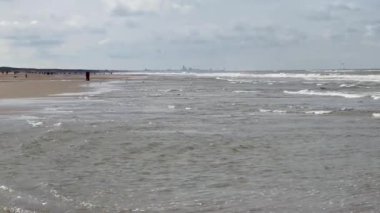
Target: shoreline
x,y
16,86
35,86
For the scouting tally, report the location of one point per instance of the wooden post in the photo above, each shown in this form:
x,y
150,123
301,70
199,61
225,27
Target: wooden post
x,y
87,76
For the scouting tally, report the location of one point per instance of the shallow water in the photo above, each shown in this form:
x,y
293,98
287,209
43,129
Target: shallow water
x,y
197,143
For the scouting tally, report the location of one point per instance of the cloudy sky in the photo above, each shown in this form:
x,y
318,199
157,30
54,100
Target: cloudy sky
x,y
230,34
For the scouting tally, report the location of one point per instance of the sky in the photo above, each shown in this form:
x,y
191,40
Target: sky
x,y
206,34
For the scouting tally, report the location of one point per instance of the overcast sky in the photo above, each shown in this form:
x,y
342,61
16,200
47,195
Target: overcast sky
x,y
230,34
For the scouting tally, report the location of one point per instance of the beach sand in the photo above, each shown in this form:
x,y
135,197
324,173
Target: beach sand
x,y
17,86
37,85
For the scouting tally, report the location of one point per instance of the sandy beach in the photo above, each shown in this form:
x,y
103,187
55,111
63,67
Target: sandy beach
x,y
38,85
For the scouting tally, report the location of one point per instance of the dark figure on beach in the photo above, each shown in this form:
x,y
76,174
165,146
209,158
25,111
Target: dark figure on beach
x,y
87,76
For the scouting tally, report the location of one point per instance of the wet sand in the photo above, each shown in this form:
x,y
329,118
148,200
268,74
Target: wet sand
x,y
37,85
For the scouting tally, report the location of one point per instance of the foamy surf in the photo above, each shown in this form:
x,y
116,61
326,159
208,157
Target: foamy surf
x,y
319,112
272,111
245,91
347,85
6,188
35,123
56,110
306,76
27,117
171,107
335,94
376,96
59,124
95,89
322,77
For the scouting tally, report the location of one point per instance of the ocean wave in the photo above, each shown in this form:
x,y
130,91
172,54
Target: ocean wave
x,y
347,85
376,115
56,110
319,112
35,123
306,76
96,89
272,111
6,188
59,124
18,201
27,117
376,96
335,94
245,91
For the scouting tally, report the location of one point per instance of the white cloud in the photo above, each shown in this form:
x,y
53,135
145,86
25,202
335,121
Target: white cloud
x,y
135,7
4,48
6,23
372,30
76,21
34,22
343,5
18,24
104,41
181,7
334,10
155,33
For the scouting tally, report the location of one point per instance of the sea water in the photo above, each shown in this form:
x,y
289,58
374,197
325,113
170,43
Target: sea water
x,y
291,141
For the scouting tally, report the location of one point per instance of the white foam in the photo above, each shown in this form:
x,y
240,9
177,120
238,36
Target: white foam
x,y
90,93
171,90
27,117
376,115
273,111
87,205
264,110
171,107
320,112
57,195
35,123
245,91
305,76
336,94
97,89
58,124
347,85
5,188
56,110
376,96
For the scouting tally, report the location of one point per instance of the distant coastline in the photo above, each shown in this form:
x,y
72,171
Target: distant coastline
x,y
4,70
16,70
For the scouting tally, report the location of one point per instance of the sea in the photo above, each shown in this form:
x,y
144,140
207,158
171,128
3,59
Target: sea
x,y
160,141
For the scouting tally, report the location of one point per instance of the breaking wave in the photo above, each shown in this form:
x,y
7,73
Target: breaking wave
x,y
306,76
335,94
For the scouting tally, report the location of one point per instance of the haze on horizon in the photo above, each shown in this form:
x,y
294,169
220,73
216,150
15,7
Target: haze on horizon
x,y
239,34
